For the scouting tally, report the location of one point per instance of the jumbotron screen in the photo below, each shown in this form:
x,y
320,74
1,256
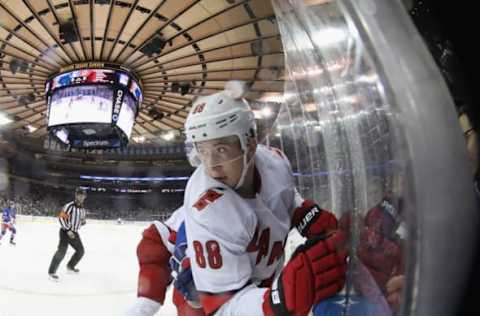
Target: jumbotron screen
x,y
126,118
81,104
90,108
96,76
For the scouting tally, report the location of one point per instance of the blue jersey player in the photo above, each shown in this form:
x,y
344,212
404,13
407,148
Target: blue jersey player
x,y
9,215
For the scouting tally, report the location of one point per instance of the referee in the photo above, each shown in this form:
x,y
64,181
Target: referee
x,y
71,217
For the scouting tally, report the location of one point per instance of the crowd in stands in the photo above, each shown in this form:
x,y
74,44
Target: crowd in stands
x,y
140,207
40,200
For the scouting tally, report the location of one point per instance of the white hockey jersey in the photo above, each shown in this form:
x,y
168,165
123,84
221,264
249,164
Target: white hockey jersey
x,y
172,223
233,241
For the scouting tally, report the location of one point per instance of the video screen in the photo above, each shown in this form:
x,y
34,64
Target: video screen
x,y
84,76
81,104
135,90
123,79
62,134
126,118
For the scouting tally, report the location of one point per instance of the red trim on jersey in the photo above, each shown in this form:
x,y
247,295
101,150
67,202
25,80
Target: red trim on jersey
x,y
183,308
252,246
267,309
207,198
212,302
172,238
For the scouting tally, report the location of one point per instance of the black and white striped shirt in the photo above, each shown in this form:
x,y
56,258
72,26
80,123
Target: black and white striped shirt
x,y
71,217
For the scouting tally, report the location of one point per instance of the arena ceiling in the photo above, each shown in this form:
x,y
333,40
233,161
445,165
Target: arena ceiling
x,y
180,49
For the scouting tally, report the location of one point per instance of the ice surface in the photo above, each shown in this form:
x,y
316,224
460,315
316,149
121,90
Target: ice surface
x,y
105,286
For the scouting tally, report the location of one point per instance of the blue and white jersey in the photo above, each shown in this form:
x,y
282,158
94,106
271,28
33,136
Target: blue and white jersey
x,y
9,214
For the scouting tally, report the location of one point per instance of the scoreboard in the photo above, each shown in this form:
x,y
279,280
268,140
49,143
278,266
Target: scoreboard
x,y
91,107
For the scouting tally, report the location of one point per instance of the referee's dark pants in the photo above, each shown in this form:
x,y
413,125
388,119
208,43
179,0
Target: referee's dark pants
x,y
76,243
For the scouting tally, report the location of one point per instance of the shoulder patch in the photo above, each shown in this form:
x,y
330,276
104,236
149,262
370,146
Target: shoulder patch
x,y
199,108
208,198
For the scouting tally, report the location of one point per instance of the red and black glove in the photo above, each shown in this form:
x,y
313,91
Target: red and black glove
x,y
154,275
311,220
381,256
315,272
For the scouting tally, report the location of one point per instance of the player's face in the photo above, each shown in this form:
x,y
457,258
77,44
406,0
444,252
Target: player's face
x,y
80,197
222,159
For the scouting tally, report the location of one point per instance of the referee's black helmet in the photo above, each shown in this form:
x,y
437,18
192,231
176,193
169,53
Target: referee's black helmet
x,y
80,190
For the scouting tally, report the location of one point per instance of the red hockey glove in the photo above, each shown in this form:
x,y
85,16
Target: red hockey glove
x,y
315,272
154,275
381,256
310,220
382,220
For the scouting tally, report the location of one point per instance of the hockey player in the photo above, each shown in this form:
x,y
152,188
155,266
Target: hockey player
x,y
380,264
9,215
239,206
380,245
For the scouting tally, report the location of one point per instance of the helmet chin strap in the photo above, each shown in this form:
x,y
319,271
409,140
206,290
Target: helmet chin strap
x,y
246,166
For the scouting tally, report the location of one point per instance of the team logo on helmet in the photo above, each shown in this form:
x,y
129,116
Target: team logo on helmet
x,y
199,108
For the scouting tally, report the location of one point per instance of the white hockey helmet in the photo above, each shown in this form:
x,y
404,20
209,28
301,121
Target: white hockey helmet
x,y
218,115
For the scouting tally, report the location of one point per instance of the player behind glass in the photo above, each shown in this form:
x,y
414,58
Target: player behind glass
x,y
9,215
239,206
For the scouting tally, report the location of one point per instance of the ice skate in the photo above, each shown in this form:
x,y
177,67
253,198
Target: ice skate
x,y
53,277
71,270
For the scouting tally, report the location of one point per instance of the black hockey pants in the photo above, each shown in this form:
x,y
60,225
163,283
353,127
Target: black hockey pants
x,y
76,243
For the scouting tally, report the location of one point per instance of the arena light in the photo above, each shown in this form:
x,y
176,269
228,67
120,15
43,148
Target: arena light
x,y
272,97
168,136
31,128
139,139
266,112
329,37
257,114
147,179
4,120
